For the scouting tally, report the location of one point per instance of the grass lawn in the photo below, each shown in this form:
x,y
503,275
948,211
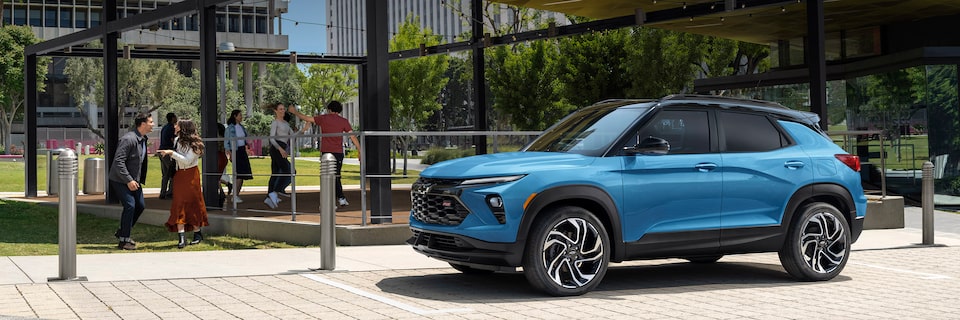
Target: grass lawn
x,y
28,229
308,173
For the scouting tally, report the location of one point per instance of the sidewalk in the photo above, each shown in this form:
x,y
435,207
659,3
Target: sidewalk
x,y
394,282
231,263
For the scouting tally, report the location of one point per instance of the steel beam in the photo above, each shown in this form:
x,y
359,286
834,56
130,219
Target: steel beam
x,y
375,111
111,109
208,101
30,125
479,80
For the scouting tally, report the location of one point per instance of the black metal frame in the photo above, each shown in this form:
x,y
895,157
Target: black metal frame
x,y
374,76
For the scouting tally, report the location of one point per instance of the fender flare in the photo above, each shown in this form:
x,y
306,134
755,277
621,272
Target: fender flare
x,y
805,193
573,195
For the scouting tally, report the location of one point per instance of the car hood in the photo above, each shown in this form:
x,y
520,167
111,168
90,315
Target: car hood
x,y
503,164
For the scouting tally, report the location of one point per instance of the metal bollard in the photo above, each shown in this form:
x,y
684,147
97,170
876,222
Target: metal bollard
x,y
927,202
328,184
68,216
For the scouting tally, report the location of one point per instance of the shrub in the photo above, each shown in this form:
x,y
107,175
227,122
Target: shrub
x,y
435,155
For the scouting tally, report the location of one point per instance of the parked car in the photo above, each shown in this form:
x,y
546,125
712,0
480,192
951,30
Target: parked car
x,y
691,177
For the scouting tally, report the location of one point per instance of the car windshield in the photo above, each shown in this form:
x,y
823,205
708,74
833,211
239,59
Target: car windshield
x,y
589,131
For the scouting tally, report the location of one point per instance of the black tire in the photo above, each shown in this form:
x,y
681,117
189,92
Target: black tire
x,y
704,259
818,243
567,252
469,270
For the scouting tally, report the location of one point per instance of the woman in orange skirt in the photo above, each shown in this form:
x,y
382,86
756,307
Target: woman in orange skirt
x,y
188,211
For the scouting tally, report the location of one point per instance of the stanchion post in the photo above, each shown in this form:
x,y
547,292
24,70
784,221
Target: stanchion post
x,y
328,184
67,164
927,202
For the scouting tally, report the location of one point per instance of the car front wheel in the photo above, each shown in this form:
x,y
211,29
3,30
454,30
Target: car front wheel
x,y
567,253
818,243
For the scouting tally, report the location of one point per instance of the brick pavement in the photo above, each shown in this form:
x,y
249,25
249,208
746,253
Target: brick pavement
x,y
888,277
915,282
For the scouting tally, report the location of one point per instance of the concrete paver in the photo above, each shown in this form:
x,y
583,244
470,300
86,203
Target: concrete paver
x,y
888,276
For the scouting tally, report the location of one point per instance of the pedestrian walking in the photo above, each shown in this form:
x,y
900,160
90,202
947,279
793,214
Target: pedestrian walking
x,y
332,122
188,211
126,176
279,151
240,149
167,166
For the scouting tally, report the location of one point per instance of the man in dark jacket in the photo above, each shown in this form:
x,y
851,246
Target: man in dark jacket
x,y
167,165
125,177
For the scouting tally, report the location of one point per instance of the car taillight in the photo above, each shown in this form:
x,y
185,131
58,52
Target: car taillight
x,y
850,160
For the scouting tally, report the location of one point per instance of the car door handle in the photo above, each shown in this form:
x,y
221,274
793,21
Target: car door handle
x,y
705,167
793,165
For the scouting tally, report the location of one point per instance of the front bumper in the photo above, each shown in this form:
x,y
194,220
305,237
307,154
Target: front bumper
x,y
460,249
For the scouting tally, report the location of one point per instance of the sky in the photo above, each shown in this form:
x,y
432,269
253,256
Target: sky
x,y
304,25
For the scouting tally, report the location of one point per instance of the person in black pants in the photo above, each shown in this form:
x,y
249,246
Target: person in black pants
x,y
127,167
168,167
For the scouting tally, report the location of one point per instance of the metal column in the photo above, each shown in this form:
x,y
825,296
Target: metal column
x,y
208,100
30,125
816,60
479,80
375,111
111,108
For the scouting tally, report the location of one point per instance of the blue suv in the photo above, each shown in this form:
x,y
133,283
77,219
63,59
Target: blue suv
x,y
691,177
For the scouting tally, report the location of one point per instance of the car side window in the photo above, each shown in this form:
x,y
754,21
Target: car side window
x,y
687,131
743,132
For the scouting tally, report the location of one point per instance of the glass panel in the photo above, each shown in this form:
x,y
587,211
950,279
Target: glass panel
x,y
81,21
6,16
66,18
943,112
176,24
35,19
234,23
247,24
221,23
863,42
94,17
796,51
50,17
832,46
192,23
261,24
20,16
893,103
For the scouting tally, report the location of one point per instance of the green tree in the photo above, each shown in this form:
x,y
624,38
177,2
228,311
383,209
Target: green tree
x,y
142,85
283,84
525,81
661,62
327,82
415,83
184,101
592,66
13,40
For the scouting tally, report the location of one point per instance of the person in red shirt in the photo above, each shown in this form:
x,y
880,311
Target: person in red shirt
x,y
332,122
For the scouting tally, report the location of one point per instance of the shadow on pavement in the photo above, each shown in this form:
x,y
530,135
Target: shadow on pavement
x,y
668,278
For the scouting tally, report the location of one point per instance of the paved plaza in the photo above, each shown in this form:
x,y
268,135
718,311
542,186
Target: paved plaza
x,y
889,276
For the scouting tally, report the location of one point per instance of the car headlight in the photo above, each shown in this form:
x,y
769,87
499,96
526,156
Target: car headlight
x,y
491,180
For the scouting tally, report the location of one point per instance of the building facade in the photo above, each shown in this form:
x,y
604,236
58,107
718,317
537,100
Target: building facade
x,y
248,25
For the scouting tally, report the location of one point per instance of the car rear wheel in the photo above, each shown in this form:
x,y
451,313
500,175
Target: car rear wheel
x,y
818,243
567,253
470,270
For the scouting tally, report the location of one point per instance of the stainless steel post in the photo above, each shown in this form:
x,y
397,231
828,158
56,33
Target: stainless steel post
x,y
927,202
67,163
328,184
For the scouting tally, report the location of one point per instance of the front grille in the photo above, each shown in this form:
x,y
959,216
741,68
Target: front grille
x,y
435,201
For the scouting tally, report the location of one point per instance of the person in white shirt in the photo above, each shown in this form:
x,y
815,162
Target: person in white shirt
x,y
188,211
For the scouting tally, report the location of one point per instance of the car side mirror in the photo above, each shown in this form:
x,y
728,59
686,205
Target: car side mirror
x,y
649,146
